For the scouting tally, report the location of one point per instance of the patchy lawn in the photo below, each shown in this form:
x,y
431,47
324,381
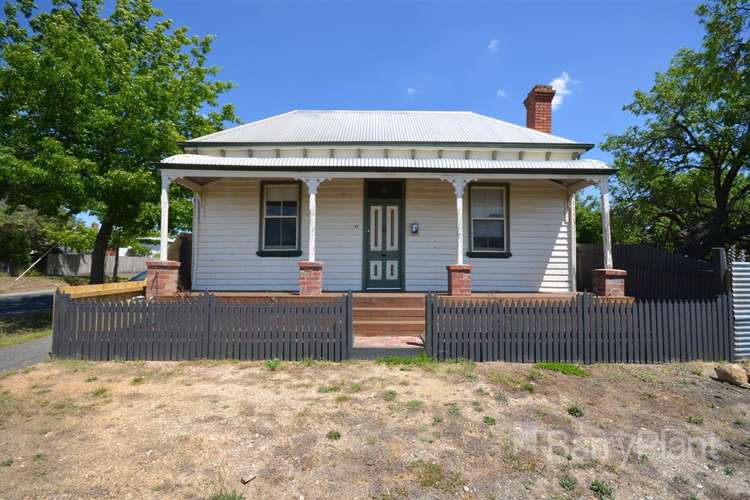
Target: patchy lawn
x,y
19,328
368,430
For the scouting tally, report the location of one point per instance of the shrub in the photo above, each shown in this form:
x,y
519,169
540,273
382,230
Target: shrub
x,y
488,420
333,435
526,386
138,380
437,419
564,368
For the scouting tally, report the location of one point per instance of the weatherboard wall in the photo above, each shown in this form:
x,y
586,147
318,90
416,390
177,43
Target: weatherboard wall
x,y
228,232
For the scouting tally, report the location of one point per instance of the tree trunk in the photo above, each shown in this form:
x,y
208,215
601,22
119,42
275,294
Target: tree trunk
x,y
99,255
117,263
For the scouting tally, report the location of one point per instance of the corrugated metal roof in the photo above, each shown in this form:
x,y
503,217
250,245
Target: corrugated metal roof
x,y
331,164
442,127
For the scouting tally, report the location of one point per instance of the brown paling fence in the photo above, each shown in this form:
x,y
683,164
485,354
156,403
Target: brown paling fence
x,y
580,329
202,327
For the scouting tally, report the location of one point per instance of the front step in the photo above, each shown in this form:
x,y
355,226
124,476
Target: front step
x,y
376,315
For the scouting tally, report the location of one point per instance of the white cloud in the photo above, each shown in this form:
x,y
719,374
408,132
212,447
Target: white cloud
x,y
501,93
412,91
493,46
561,85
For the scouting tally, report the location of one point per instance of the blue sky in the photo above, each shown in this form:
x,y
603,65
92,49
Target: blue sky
x,y
443,55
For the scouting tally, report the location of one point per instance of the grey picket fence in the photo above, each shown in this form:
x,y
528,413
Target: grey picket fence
x,y
202,327
581,329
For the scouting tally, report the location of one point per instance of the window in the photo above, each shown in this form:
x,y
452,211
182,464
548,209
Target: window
x,y
280,225
488,226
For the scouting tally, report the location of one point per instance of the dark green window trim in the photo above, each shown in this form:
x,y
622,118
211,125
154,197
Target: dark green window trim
x,y
505,253
278,253
286,252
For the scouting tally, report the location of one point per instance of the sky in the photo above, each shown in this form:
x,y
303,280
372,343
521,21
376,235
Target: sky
x,y
476,56
443,55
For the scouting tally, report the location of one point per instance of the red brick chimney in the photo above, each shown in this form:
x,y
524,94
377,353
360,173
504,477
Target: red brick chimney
x,y
539,108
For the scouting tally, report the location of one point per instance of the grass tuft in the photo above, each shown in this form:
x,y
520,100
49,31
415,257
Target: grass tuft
x,y
333,435
325,389
488,420
422,359
568,483
431,475
389,395
273,364
564,368
575,411
99,392
601,489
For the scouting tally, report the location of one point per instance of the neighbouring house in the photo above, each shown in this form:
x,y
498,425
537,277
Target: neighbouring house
x,y
414,201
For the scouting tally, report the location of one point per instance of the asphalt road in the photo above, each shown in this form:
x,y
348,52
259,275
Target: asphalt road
x,y
34,351
26,354
26,302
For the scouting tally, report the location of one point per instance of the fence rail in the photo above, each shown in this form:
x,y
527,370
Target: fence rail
x,y
581,329
202,327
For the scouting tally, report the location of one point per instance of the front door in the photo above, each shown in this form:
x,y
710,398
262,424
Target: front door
x,y
383,262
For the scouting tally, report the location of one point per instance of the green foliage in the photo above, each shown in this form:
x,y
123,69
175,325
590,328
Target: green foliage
x,y
488,420
575,411
564,368
601,489
325,389
422,359
25,233
89,101
333,435
684,174
273,364
568,483
227,495
588,220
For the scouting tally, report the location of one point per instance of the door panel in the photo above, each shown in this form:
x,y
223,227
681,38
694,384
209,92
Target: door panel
x,y
384,248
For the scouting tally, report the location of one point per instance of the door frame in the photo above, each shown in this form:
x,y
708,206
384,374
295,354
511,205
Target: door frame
x,y
366,235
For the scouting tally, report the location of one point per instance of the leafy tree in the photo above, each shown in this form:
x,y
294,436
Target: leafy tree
x,y
88,102
684,180
588,220
24,233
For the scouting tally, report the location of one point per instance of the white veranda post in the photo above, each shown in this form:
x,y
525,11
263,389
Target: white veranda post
x,y
312,192
606,234
459,185
164,226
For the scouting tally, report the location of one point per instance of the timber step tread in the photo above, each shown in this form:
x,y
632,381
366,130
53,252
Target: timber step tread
x,y
387,322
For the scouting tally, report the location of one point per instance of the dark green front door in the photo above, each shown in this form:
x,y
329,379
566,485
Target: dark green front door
x,y
384,235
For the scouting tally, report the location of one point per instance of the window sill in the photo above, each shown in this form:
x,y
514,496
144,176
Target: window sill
x,y
278,253
489,255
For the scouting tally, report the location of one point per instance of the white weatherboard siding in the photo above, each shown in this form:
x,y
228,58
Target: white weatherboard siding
x,y
538,240
228,239
229,231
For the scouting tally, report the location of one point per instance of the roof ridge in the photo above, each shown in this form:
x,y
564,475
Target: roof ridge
x,y
255,122
521,127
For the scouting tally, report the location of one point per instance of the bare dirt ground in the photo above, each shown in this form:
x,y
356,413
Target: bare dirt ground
x,y
8,284
367,430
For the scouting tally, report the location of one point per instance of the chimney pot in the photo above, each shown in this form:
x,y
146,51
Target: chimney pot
x,y
539,108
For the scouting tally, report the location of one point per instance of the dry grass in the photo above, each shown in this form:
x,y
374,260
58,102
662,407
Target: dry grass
x,y
184,430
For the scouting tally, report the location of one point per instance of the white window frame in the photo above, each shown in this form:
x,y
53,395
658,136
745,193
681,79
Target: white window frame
x,y
264,216
504,218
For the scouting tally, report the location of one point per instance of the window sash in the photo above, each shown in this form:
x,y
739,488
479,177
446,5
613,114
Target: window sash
x,y
281,216
502,219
